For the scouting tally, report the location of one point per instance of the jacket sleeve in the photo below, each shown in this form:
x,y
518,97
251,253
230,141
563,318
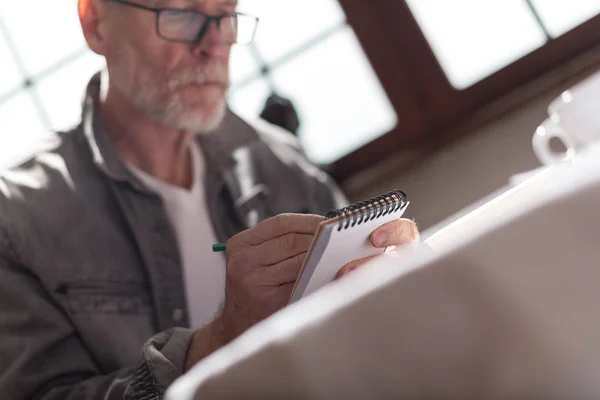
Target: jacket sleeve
x,y
41,356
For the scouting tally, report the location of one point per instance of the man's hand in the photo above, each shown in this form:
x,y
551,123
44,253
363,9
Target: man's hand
x,y
263,264
395,233
262,267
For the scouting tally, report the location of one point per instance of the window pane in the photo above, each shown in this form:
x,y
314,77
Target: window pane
x,y
284,25
62,92
249,100
20,127
243,64
560,16
472,39
43,31
340,101
10,77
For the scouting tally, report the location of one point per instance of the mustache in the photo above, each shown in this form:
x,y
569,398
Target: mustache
x,y
214,73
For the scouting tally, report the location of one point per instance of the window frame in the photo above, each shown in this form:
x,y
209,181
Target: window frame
x,y
429,108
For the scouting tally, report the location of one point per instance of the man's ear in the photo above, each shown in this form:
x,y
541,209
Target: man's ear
x,y
82,7
89,16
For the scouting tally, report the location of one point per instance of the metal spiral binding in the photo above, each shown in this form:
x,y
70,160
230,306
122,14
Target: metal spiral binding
x,y
370,209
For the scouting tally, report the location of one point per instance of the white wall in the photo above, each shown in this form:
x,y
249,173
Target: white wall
x,y
468,169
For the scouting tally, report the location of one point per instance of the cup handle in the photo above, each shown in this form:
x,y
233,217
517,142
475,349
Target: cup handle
x,y
541,143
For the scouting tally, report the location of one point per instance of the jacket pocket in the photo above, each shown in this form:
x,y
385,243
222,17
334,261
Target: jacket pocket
x,y
111,319
105,298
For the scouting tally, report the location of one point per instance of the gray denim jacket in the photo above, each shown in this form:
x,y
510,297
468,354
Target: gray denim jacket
x,y
92,302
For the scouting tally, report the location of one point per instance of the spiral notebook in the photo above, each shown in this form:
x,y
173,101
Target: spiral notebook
x,y
344,237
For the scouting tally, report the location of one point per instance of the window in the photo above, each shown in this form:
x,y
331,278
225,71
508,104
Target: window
x,y
305,51
342,105
43,75
560,16
43,37
473,39
20,126
11,75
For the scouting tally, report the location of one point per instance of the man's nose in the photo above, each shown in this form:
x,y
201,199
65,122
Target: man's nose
x,y
212,43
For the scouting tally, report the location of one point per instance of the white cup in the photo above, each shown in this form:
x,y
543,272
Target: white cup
x,y
541,143
574,119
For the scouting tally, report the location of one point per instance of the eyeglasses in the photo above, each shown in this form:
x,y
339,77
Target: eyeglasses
x,y
189,26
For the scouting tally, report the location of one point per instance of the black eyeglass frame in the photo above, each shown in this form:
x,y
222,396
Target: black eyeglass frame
x,y
209,18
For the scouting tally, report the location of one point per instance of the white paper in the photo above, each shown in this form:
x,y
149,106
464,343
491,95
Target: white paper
x,y
334,249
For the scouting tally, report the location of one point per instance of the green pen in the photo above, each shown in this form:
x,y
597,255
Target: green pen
x,y
219,247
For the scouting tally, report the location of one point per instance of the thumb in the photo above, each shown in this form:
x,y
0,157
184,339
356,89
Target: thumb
x,y
351,266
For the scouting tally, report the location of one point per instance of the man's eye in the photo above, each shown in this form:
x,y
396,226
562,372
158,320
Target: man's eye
x,y
173,13
181,15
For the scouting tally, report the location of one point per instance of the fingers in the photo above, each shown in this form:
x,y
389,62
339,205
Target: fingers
x,y
278,249
284,273
286,291
346,269
395,233
281,297
278,226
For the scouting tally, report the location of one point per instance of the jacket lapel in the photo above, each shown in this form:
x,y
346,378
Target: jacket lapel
x,y
236,198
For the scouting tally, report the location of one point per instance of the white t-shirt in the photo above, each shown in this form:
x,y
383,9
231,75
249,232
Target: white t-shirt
x,y
204,271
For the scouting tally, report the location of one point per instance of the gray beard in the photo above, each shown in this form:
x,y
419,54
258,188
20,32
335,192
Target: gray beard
x,y
139,87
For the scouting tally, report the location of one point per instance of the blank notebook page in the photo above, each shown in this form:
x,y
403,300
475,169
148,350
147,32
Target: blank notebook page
x,y
332,248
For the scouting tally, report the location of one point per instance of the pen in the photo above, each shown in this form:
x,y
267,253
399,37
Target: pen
x,y
219,247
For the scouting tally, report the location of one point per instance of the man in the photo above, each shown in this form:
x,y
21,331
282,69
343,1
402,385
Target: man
x,y
105,237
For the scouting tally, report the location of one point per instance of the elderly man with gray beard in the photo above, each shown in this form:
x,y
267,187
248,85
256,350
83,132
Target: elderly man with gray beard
x,y
108,285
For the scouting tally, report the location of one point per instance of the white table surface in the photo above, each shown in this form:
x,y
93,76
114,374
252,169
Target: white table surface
x,y
521,189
